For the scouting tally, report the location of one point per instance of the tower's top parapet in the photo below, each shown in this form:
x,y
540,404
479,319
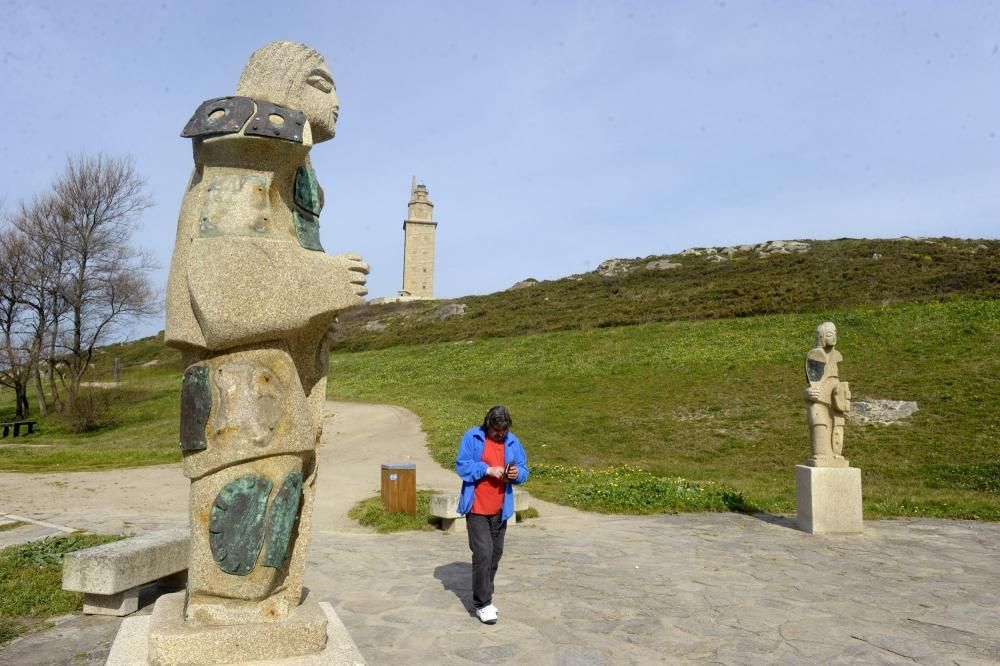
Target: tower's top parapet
x,y
421,209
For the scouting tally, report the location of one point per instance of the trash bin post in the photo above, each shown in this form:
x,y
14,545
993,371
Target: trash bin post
x,y
399,487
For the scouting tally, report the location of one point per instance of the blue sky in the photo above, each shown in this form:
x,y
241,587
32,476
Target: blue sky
x,y
551,135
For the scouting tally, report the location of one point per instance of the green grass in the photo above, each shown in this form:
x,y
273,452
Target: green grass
x,y
10,526
631,490
31,581
141,421
720,401
371,513
691,374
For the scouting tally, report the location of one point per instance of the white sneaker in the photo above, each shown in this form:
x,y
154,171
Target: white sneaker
x,y
487,614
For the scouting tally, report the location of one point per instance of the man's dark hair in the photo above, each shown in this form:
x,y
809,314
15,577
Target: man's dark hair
x,y
497,417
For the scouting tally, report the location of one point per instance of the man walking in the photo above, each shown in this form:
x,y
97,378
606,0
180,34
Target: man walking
x,y
490,461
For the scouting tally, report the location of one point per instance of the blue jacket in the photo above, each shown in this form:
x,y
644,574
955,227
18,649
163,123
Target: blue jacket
x,y
470,467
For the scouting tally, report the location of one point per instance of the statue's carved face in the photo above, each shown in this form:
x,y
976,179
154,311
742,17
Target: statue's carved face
x,y
320,103
296,76
826,335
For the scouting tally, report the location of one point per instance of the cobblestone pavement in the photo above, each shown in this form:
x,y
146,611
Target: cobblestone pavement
x,y
702,588
698,588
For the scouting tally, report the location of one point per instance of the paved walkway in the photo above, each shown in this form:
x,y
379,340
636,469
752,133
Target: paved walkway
x,y
578,588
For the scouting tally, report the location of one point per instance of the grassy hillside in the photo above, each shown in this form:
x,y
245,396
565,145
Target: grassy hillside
x,y
696,388
831,274
721,401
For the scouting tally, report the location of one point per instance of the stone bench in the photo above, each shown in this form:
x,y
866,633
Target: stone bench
x,y
110,576
445,507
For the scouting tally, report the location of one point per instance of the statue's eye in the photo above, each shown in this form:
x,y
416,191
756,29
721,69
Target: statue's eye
x,y
320,80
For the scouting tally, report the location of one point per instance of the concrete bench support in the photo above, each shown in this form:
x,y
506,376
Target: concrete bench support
x,y
110,576
445,507
121,604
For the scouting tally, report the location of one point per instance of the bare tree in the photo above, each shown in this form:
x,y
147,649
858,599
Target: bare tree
x,y
16,362
37,223
105,284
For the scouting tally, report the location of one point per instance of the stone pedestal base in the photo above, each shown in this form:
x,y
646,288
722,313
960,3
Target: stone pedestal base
x,y
164,639
828,499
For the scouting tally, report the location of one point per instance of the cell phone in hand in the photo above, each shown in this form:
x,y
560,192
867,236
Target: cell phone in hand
x,y
506,470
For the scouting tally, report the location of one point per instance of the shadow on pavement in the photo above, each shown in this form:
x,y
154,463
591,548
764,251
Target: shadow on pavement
x,y
774,519
457,579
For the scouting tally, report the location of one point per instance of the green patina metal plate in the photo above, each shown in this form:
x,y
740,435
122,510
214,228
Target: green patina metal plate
x,y
307,230
236,526
196,405
307,190
281,520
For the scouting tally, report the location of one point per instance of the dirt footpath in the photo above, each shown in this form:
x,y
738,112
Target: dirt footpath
x,y
357,439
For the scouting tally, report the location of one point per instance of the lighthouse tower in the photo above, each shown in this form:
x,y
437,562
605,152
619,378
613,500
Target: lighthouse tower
x,y
419,230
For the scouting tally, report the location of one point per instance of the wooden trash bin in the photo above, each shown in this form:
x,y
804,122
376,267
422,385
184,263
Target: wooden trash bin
x,y
399,487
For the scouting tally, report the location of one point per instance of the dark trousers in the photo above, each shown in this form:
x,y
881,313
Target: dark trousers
x,y
486,543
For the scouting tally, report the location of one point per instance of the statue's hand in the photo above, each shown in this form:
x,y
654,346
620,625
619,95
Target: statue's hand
x,y
357,272
812,394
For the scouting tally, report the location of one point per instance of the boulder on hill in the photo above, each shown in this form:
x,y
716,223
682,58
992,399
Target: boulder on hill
x,y
613,267
881,411
528,282
450,310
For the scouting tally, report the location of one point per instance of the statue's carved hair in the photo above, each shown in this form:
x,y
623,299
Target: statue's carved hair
x,y
277,71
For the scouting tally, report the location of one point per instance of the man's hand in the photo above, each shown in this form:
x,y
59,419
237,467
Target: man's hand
x,y
512,473
495,472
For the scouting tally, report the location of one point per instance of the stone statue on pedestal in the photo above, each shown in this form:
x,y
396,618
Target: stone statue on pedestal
x,y
828,400
250,298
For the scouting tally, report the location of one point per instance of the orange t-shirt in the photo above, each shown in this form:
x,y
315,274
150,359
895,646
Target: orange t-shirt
x,y
488,499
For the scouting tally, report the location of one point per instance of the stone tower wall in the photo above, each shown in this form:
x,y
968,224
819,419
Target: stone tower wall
x,y
418,258
419,231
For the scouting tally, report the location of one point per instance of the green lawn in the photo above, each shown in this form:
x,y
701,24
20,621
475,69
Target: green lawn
x,y
720,401
691,415
31,581
140,417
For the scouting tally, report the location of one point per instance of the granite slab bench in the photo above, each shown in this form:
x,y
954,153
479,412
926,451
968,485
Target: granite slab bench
x,y
445,507
110,576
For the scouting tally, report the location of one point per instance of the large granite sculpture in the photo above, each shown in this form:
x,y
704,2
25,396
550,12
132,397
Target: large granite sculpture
x,y
827,488
828,400
250,298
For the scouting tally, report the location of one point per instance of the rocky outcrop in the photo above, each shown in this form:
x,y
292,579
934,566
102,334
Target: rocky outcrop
x,y
881,411
613,267
450,310
662,265
528,282
763,250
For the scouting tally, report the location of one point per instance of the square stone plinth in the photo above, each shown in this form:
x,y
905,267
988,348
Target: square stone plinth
x,y
164,639
828,499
